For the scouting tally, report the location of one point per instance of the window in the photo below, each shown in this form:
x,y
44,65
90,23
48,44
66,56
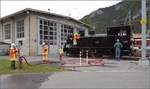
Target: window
x,y
20,42
20,29
48,30
41,22
66,30
41,27
81,31
7,30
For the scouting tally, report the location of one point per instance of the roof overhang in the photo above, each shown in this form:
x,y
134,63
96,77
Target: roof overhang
x,y
4,43
29,10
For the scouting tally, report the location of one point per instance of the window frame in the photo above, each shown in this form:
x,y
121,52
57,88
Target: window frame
x,y
20,30
51,27
7,31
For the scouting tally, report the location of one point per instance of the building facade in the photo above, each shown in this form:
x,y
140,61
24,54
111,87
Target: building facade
x,y
30,27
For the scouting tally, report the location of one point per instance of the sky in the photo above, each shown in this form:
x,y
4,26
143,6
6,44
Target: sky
x,y
75,9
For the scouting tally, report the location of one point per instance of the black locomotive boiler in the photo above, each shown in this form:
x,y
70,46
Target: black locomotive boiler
x,y
103,44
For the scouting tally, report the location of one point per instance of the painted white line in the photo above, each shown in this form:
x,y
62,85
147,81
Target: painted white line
x,y
112,71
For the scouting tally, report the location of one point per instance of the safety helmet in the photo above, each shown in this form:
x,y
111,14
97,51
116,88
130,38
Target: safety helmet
x,y
75,33
43,43
12,44
117,40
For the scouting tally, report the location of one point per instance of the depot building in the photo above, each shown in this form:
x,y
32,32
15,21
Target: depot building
x,y
30,27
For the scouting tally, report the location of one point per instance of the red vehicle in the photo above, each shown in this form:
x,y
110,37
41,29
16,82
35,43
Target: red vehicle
x,y
138,41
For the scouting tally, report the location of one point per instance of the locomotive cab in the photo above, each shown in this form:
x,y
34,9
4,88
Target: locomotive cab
x,y
123,33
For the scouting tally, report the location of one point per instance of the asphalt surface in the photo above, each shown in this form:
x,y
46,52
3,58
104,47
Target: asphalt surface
x,y
23,81
117,80
117,75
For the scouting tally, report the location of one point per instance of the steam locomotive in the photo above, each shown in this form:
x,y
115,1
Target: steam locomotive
x,y
103,44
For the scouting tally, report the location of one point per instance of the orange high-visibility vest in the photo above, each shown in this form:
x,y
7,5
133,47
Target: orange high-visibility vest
x,y
44,50
16,52
76,37
12,54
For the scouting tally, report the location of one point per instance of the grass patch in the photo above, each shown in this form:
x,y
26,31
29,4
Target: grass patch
x,y
42,68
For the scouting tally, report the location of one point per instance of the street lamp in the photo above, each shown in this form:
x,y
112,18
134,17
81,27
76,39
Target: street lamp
x,y
143,60
48,42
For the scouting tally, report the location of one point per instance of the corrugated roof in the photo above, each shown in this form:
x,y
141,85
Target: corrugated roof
x,y
43,12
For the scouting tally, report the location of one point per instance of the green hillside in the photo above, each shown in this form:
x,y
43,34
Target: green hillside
x,y
117,15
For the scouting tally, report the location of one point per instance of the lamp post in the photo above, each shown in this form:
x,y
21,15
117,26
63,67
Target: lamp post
x,y
143,60
48,38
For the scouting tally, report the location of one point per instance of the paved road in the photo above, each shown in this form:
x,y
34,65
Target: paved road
x,y
120,80
124,74
101,80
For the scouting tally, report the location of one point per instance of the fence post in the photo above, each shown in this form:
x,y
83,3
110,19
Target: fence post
x,y
80,58
87,56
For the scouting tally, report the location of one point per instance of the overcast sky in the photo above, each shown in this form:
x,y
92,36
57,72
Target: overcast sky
x,y
76,9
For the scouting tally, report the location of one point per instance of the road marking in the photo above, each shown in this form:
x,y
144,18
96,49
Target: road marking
x,y
109,71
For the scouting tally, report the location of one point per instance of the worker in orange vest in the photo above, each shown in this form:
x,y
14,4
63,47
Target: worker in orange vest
x,y
12,55
75,38
44,52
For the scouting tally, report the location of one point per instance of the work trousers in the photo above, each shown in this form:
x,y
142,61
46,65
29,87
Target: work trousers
x,y
13,65
117,54
60,58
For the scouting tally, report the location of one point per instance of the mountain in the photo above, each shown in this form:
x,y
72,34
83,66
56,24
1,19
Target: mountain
x,y
124,13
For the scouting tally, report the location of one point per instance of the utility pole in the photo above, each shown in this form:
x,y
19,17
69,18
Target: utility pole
x,y
48,42
130,21
143,60
0,8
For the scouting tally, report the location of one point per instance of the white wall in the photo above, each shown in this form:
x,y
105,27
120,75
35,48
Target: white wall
x,y
0,31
